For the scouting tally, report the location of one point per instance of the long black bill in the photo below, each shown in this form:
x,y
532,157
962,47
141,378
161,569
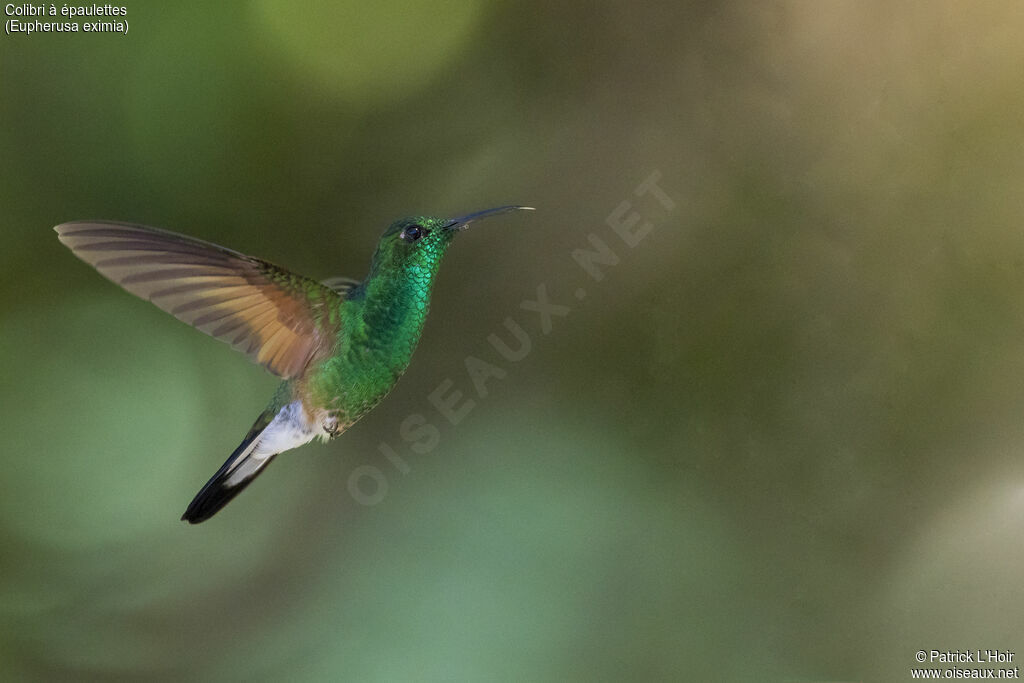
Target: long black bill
x,y
463,222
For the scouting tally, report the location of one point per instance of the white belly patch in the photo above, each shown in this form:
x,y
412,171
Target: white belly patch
x,y
289,429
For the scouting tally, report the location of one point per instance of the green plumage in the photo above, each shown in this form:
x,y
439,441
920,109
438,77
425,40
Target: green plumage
x,y
339,346
382,319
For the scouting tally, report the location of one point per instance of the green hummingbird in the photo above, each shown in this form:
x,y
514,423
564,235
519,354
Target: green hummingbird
x,y
339,345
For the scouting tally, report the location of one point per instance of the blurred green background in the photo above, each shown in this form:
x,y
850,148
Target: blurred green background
x,y
779,441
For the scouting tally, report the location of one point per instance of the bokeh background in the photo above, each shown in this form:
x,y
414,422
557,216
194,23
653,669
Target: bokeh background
x,y
779,441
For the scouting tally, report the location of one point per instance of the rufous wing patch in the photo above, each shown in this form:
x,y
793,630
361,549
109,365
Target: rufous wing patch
x,y
278,318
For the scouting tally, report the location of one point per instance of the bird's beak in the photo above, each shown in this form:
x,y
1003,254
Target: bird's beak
x,y
463,222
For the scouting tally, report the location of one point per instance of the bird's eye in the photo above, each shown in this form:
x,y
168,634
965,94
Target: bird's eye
x,y
412,233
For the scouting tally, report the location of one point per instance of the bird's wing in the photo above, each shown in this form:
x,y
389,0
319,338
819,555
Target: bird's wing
x,y
280,319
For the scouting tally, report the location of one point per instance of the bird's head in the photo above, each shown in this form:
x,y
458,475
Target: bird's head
x,y
415,245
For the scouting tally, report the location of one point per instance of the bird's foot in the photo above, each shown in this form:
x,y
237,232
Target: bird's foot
x,y
331,427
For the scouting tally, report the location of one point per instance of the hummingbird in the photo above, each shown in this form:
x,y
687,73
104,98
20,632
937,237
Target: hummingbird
x,y
339,346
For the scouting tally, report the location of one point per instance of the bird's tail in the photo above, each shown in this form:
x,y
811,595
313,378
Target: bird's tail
x,y
241,467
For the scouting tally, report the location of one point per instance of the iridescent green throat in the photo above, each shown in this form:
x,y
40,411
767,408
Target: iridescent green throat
x,y
384,318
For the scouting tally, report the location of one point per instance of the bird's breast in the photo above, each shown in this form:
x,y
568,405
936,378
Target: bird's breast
x,y
349,386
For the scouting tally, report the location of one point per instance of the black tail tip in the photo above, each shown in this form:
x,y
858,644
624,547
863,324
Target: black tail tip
x,y
209,501
240,468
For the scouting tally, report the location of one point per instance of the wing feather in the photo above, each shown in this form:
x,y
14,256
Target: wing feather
x,y
276,317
